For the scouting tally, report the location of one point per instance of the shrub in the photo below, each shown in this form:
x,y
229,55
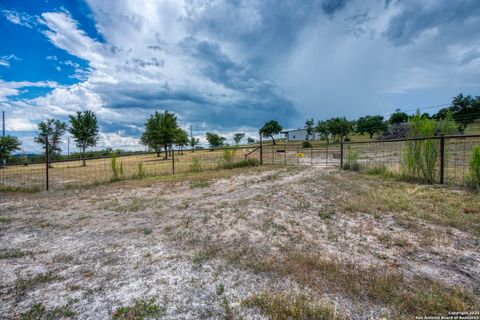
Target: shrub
x,y
242,163
306,144
474,167
229,156
140,171
117,170
420,157
351,162
195,166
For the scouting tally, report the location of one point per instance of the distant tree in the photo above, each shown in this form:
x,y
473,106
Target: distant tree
x,y
84,129
465,110
214,140
53,130
309,126
322,129
371,125
398,117
270,129
8,144
238,137
250,140
194,142
160,131
181,138
339,126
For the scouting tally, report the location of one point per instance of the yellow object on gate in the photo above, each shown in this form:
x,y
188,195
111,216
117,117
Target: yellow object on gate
x,y
301,155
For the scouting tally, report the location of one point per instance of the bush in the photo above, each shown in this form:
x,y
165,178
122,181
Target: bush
x,y
117,170
351,162
474,167
228,156
306,144
140,171
195,166
242,163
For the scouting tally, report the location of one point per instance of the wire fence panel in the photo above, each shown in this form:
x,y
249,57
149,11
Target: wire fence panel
x,y
64,174
443,160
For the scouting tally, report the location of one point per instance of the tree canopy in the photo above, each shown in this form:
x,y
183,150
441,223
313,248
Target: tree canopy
x,y
214,140
270,129
53,130
8,144
465,110
322,128
339,126
84,129
309,126
238,137
161,129
398,117
371,125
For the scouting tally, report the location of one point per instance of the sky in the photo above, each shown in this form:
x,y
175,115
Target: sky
x,y
229,66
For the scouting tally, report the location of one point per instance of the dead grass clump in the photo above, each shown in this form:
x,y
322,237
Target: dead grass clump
x,y
406,296
291,307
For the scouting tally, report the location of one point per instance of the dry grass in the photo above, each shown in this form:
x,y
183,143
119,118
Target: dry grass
x,y
282,306
444,206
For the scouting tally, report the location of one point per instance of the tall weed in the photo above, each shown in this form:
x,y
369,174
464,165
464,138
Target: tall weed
x,y
474,168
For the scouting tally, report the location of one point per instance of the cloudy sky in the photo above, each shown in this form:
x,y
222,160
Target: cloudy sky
x,y
229,66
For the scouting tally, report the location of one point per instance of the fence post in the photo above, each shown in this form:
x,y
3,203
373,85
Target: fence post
x,y
442,158
47,164
261,147
311,154
173,160
341,151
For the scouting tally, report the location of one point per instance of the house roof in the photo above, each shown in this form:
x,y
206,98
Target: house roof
x,y
293,130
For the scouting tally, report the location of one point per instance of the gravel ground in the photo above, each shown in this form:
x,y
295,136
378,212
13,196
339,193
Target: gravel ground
x,y
97,249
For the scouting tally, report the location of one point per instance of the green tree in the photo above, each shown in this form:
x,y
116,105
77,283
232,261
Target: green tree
x,y
339,126
371,125
250,140
322,128
309,126
84,129
181,138
53,130
193,143
160,131
214,140
465,110
238,137
270,129
398,117
8,144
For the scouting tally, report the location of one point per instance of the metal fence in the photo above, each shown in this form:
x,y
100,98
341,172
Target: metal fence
x,y
63,174
447,159
442,159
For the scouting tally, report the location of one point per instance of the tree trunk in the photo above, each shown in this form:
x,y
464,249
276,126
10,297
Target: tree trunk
x,y
166,152
158,154
83,152
371,135
273,139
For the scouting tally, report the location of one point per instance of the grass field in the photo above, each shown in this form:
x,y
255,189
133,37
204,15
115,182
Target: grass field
x,y
265,242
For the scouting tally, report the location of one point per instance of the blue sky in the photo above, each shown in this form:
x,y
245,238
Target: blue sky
x,y
229,66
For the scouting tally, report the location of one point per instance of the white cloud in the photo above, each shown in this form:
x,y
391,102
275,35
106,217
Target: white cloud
x,y
19,18
5,60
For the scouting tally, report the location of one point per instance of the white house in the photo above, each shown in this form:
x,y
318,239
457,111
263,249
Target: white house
x,y
300,135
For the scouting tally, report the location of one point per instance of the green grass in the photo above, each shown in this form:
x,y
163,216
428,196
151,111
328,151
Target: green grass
x,y
141,309
39,312
22,286
14,253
